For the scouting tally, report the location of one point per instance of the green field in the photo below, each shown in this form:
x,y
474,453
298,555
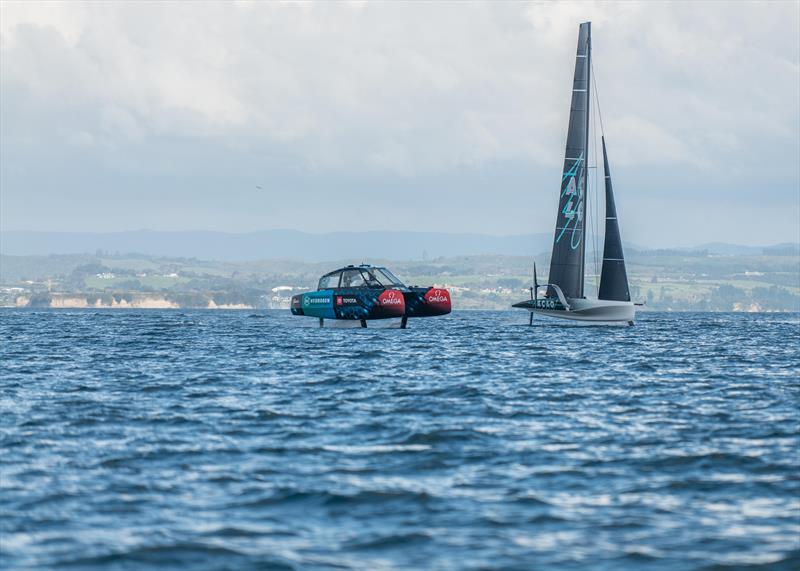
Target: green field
x,y
666,282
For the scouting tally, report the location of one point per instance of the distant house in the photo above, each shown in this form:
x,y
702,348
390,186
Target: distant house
x,y
282,296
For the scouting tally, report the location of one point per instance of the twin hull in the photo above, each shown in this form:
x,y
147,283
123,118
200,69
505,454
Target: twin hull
x,y
372,303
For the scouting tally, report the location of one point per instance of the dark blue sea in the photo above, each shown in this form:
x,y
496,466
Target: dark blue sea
x,y
254,440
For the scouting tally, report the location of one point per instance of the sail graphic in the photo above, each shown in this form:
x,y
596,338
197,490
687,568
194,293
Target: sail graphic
x,y
613,277
569,247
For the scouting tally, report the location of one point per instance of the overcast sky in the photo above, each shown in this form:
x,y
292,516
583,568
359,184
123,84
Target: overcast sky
x,y
360,116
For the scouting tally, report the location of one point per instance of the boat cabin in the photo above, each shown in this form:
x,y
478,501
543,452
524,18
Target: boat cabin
x,y
360,276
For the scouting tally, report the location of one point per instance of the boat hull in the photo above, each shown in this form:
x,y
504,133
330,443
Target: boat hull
x,y
590,311
359,304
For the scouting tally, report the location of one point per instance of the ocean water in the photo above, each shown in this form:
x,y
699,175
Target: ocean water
x,y
253,440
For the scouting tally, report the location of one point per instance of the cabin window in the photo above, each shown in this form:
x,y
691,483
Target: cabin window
x,y
352,278
390,277
371,279
329,282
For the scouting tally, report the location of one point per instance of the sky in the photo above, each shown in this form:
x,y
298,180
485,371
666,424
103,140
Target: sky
x,y
351,116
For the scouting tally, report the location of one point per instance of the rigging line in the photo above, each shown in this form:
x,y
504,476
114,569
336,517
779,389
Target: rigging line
x,y
597,97
595,217
591,145
602,132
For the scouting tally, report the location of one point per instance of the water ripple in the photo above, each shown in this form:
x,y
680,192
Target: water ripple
x,y
233,440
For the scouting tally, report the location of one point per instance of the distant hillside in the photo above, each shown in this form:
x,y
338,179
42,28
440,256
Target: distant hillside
x,y
306,247
273,244
668,281
784,249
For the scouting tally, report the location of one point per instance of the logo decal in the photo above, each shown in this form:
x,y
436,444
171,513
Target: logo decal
x,y
572,212
391,298
438,297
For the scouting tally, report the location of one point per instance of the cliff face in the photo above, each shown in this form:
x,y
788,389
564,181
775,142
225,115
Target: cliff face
x,y
143,302
115,301
212,305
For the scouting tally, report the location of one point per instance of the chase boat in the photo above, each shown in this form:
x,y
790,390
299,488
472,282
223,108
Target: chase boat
x,y
369,292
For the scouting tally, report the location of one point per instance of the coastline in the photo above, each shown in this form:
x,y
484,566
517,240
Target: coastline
x,y
115,301
129,301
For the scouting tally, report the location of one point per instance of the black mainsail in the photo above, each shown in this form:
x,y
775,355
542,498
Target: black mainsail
x,y
613,277
569,245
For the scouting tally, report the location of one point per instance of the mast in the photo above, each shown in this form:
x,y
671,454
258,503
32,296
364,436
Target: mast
x,y
569,244
613,277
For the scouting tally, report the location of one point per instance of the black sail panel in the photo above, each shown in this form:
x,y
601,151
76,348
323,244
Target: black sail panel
x,y
569,244
613,277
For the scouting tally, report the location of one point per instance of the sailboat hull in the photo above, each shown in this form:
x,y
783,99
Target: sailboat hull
x,y
591,311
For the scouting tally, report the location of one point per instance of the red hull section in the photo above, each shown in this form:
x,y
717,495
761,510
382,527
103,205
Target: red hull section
x,y
391,303
427,302
438,300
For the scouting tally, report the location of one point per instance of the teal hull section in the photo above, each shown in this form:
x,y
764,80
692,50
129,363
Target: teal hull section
x,y
319,304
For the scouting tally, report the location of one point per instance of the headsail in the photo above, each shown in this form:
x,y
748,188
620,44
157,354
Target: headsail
x,y
613,277
569,245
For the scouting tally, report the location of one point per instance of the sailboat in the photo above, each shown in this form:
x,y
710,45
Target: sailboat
x,y
564,294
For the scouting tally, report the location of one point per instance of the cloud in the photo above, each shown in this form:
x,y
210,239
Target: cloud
x,y
361,93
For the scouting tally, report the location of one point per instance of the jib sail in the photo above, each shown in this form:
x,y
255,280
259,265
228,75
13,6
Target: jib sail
x,y
569,245
613,277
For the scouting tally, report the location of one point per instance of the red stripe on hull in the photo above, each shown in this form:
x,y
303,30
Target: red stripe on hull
x,y
437,300
391,303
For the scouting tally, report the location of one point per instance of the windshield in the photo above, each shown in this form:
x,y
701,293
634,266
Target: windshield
x,y
329,281
352,278
371,279
390,277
